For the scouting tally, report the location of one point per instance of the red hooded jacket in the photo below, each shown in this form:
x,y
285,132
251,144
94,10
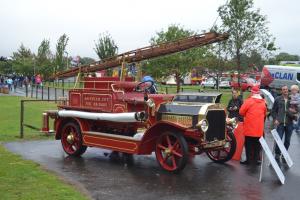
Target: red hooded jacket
x,y
254,112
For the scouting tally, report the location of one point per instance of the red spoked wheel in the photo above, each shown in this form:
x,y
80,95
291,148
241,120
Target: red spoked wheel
x,y
71,139
171,151
226,153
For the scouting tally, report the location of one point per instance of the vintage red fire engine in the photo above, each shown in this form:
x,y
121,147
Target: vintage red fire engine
x,y
123,116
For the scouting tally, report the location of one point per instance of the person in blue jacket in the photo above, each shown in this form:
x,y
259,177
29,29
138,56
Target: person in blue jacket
x,y
152,89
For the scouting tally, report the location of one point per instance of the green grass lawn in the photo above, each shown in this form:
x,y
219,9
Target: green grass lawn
x,y
10,118
23,179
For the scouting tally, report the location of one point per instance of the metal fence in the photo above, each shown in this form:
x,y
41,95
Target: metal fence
x,y
45,92
23,115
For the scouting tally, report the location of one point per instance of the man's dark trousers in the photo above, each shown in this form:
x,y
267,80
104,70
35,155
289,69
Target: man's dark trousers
x,y
286,131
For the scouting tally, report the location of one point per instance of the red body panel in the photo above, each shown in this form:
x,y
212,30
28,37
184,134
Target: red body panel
x,y
116,144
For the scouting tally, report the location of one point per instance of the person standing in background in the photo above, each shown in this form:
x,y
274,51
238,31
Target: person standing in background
x,y
283,119
15,82
295,106
38,80
234,106
254,112
9,82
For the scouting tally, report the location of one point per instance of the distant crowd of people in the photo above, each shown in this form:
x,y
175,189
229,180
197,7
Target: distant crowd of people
x,y
253,112
14,81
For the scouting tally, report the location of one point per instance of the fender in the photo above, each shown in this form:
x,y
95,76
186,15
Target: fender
x,y
60,122
149,139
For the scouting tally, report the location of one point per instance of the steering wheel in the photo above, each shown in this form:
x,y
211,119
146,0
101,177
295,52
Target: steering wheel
x,y
143,86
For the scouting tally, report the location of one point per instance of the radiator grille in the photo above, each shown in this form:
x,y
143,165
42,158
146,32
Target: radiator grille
x,y
216,120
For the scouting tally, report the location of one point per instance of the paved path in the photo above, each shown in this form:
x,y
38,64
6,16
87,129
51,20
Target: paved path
x,y
201,179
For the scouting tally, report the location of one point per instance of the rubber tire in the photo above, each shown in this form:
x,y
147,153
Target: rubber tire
x,y
81,150
185,150
231,152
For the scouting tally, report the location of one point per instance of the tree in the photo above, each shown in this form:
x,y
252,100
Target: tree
x,y
286,57
178,64
247,28
5,65
86,60
44,58
251,61
23,61
22,52
60,60
105,46
282,56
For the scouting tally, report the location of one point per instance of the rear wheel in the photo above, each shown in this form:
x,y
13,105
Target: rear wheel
x,y
225,154
71,139
171,151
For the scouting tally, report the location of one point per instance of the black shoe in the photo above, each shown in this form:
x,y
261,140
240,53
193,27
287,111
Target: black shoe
x,y
114,156
127,158
246,162
283,160
258,162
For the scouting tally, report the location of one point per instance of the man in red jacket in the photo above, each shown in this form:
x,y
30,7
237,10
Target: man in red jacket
x,y
254,112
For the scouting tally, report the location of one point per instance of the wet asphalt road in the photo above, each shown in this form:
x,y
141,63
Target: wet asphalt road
x,y
201,179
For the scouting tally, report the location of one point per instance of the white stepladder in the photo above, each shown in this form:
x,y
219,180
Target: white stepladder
x,y
271,158
282,148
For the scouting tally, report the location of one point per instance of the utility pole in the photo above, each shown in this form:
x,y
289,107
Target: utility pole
x,y
219,63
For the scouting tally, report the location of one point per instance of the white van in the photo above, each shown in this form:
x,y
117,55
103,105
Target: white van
x,y
276,76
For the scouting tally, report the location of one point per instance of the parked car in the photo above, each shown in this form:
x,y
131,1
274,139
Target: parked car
x,y
210,82
245,84
224,82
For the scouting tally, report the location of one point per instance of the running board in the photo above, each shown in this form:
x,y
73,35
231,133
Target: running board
x,y
111,141
123,137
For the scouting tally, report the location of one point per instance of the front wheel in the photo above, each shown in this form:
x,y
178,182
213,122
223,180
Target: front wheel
x,y
71,139
171,151
225,154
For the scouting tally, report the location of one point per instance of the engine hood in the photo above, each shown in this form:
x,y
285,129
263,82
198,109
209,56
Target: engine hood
x,y
185,114
181,109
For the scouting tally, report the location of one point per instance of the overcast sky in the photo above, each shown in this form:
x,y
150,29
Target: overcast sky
x,y
130,22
